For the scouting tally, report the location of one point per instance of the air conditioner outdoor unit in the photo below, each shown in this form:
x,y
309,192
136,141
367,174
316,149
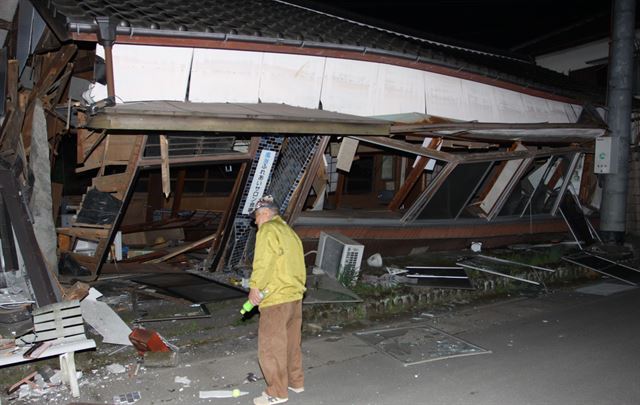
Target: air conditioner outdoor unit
x,y
339,257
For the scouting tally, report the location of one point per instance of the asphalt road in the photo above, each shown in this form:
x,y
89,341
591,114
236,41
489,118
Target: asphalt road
x,y
562,348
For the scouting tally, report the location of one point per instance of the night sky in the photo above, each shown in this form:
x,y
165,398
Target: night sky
x,y
500,24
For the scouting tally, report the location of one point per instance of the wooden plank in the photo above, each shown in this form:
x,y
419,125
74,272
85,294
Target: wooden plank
x,y
48,68
11,123
339,190
199,244
98,164
134,155
56,199
346,154
164,168
84,233
89,143
147,238
111,183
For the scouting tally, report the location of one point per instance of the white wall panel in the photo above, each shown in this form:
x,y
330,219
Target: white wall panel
x,y
478,103
350,86
509,106
148,72
536,109
444,96
220,75
347,86
292,79
399,90
557,111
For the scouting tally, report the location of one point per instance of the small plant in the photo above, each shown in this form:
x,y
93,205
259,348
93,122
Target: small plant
x,y
347,275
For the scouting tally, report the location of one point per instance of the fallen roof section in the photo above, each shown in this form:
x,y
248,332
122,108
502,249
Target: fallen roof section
x,y
233,117
543,132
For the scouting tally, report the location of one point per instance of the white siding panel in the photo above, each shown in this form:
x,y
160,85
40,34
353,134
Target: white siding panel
x,y
347,86
148,72
292,79
220,75
478,103
350,86
536,109
444,96
558,112
400,90
509,106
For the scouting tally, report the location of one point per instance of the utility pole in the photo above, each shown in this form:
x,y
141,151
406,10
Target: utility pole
x,y
619,100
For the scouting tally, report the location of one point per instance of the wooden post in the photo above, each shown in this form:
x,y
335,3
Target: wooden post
x,y
154,195
177,195
412,178
164,168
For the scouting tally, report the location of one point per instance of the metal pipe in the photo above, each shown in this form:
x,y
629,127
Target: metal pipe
x,y
619,99
107,37
108,62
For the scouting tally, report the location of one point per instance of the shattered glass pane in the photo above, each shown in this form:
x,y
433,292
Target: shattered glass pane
x,y
419,344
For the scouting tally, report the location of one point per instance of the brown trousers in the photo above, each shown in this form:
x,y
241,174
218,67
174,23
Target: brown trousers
x,y
279,353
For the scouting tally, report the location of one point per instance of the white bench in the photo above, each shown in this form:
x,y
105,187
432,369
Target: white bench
x,y
59,330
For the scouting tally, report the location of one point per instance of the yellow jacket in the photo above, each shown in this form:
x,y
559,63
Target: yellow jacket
x,y
278,263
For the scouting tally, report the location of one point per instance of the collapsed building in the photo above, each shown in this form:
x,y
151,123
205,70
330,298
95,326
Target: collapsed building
x,y
159,124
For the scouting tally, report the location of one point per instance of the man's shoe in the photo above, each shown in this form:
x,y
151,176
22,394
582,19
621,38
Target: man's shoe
x,y
265,399
297,390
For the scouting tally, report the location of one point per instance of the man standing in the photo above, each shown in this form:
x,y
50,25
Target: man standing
x,y
277,285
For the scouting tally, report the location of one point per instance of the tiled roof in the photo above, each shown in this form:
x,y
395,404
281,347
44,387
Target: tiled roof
x,y
276,21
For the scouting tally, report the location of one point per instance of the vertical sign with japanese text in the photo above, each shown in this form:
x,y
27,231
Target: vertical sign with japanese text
x,y
260,179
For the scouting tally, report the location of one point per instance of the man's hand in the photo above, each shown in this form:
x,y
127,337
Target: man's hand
x,y
254,296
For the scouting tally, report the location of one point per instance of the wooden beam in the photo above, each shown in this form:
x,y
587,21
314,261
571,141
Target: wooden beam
x,y
339,190
408,184
407,147
164,168
412,178
199,244
177,195
135,154
10,123
154,195
84,233
49,68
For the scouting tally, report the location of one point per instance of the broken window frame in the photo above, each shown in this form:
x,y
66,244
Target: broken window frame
x,y
452,160
566,180
508,189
